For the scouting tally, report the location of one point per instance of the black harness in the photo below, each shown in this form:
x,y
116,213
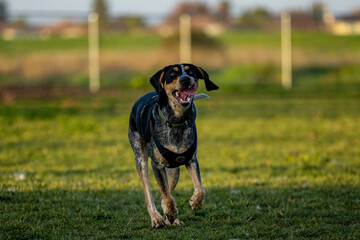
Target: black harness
x,y
145,125
174,159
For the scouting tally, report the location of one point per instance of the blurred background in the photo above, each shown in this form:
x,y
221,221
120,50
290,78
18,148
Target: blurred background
x,y
45,44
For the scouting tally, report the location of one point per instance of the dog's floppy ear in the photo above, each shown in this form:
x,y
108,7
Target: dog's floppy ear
x,y
202,74
157,80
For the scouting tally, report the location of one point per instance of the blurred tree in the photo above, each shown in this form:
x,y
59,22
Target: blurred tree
x,y
257,13
3,11
202,9
255,18
127,23
199,39
132,22
223,11
101,7
20,23
317,12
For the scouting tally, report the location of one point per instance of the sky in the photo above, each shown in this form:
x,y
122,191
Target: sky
x,y
45,10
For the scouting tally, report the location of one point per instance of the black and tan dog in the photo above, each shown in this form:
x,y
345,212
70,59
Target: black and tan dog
x,y
162,127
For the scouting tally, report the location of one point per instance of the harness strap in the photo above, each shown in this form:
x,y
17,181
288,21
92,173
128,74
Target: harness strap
x,y
168,123
174,159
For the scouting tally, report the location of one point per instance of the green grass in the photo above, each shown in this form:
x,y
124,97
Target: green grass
x,y
273,166
107,41
305,41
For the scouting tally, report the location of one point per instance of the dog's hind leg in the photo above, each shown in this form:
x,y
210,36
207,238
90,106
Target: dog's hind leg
x,y
141,160
197,199
167,201
173,177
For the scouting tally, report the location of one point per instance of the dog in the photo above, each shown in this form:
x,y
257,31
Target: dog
x,y
162,127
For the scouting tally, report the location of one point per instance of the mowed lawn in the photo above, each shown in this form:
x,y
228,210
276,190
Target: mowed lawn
x,y
273,167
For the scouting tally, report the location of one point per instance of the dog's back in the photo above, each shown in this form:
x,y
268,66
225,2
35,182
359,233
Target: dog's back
x,y
141,113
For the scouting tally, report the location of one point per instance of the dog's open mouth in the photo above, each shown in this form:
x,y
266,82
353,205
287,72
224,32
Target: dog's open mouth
x,y
184,96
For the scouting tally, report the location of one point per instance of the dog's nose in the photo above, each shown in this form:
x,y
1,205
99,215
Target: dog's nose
x,y
185,80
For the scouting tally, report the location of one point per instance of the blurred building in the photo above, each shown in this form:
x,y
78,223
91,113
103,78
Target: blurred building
x,y
66,29
128,23
343,25
303,21
260,18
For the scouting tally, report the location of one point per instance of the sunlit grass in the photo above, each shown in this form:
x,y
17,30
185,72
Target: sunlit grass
x,y
273,167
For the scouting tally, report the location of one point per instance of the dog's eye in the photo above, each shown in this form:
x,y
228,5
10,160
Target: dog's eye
x,y
173,74
190,73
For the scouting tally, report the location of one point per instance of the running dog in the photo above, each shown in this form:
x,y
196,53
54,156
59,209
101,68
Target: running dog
x,y
162,127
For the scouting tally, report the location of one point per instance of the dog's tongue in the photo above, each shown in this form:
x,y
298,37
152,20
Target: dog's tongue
x,y
189,91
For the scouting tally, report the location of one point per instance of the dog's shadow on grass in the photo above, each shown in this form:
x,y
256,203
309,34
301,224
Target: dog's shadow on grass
x,y
234,212
240,169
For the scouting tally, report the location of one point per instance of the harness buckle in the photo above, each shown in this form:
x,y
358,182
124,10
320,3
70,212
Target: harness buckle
x,y
180,159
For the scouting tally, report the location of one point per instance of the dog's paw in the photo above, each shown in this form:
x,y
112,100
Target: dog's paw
x,y
197,200
170,210
177,222
171,217
157,221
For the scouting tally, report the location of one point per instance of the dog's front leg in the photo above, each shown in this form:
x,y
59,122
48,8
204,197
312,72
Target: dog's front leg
x,y
197,199
157,221
141,160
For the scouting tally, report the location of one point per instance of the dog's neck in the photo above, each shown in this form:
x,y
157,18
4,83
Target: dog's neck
x,y
177,116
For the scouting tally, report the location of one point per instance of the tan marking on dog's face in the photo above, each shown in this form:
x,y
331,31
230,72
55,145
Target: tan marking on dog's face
x,y
169,89
201,72
161,78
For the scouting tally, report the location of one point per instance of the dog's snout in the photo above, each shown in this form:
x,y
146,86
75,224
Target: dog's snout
x,y
185,80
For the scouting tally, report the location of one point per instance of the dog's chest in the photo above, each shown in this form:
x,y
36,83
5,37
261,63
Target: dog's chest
x,y
175,140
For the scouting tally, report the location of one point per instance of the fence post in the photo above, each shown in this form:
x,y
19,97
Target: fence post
x,y
286,55
94,59
185,38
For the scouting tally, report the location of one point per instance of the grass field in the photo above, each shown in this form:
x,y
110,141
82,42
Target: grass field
x,y
310,41
274,166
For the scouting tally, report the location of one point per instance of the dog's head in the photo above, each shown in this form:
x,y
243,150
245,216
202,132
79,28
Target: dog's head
x,y
179,83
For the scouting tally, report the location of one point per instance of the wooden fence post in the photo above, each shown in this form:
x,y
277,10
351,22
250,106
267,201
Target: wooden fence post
x,y
94,56
185,38
286,55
